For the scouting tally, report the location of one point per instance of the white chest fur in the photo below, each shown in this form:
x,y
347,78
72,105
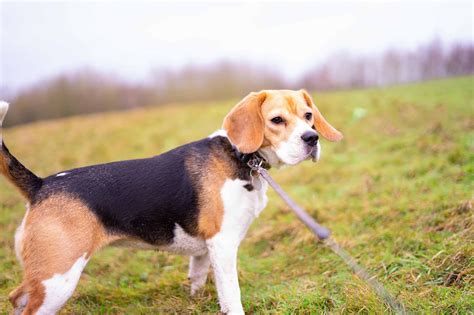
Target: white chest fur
x,y
241,206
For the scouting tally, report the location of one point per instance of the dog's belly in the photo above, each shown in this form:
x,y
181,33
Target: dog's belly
x,y
183,244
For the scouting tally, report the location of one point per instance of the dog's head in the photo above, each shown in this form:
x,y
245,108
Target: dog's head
x,y
282,125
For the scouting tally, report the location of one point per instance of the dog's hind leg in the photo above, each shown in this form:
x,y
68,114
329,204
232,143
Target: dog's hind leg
x,y
19,296
60,234
49,295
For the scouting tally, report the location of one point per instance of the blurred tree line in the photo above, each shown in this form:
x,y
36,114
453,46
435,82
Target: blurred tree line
x,y
87,91
392,67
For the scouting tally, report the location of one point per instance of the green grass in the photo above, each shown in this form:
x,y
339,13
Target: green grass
x,y
396,193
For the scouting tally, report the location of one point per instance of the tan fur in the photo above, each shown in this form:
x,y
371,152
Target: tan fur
x,y
212,178
247,133
244,124
57,232
211,208
284,103
291,103
322,126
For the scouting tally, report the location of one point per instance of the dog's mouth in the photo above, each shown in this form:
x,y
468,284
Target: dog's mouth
x,y
314,154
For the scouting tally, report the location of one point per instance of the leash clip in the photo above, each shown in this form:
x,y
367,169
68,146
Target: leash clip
x,y
255,164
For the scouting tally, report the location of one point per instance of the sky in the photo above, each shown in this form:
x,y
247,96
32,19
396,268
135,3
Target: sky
x,y
129,39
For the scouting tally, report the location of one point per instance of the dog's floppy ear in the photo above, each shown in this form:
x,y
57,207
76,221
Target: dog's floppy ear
x,y
320,123
244,124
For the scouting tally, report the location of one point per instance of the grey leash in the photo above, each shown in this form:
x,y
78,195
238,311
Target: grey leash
x,y
323,234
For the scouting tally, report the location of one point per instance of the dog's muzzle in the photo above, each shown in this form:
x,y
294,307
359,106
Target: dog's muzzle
x,y
310,138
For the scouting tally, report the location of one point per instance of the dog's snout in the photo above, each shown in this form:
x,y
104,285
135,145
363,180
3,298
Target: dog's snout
x,y
310,138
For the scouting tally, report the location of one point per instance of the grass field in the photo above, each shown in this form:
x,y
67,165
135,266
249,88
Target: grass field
x,y
397,194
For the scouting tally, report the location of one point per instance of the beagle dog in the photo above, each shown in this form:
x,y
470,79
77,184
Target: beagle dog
x,y
198,200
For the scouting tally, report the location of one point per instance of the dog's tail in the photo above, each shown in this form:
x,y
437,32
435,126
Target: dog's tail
x,y
27,182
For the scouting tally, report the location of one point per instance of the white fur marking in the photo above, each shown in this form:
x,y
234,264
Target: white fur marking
x,y
19,236
60,287
3,112
294,150
62,174
241,207
185,244
318,152
218,133
270,156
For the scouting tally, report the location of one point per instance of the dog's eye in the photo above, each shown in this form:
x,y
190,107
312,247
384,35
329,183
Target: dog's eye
x,y
277,120
308,116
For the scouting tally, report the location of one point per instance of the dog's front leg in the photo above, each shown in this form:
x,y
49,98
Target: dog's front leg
x,y
198,269
223,256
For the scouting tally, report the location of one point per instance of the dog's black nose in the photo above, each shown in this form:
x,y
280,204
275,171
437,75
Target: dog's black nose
x,y
310,138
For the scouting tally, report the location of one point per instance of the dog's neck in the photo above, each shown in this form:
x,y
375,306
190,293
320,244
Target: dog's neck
x,y
247,157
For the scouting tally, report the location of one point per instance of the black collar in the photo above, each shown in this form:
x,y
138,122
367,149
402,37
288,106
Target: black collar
x,y
251,158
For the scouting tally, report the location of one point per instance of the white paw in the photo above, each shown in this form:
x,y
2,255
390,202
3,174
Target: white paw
x,y
197,283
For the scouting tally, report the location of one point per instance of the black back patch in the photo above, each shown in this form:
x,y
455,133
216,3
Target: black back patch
x,y
145,198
